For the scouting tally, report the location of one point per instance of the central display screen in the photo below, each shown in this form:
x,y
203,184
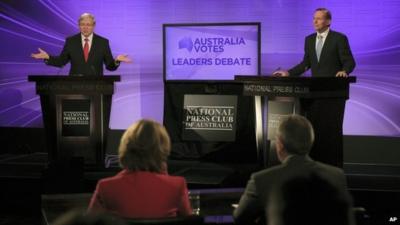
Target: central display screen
x,y
211,51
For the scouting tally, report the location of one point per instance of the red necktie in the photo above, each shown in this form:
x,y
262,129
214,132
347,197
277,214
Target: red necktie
x,y
86,49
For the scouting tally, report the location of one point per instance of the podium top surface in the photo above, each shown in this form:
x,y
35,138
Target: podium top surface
x,y
240,79
48,78
301,87
351,79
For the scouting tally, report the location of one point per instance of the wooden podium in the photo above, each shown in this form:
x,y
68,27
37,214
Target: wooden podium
x,y
76,114
320,99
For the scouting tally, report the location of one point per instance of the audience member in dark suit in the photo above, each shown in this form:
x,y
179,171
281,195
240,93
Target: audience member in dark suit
x,y
294,139
310,199
143,189
327,53
86,51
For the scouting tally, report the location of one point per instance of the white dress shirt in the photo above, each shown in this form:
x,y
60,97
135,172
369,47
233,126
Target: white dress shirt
x,y
324,35
89,42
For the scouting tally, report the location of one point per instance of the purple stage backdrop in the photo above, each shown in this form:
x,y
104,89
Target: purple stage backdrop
x,y
134,27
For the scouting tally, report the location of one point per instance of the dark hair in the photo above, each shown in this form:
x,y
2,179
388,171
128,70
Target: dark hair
x,y
296,134
145,146
309,199
327,13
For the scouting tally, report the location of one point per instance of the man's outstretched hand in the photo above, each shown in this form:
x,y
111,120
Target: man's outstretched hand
x,y
123,58
40,55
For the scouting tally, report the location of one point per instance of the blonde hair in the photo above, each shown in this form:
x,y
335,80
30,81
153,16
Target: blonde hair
x,y
145,146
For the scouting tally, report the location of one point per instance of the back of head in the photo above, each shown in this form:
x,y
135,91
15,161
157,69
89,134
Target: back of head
x,y
296,134
145,146
310,199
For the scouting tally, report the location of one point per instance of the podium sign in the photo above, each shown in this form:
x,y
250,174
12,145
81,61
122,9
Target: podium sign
x,y
75,117
209,118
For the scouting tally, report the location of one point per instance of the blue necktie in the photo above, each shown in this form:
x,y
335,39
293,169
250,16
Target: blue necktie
x,y
319,46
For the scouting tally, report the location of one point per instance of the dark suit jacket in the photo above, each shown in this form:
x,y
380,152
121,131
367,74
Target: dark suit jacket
x,y
335,56
73,52
253,203
142,195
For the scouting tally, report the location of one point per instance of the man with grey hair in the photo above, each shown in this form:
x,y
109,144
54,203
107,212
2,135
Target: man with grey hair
x,y
295,137
86,51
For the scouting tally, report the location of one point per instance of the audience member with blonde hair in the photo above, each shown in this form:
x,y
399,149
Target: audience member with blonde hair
x,y
143,189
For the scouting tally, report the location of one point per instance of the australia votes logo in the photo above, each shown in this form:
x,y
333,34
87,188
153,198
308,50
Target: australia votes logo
x,y
209,44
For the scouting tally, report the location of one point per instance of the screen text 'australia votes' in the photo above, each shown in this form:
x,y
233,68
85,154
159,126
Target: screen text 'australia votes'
x,y
212,45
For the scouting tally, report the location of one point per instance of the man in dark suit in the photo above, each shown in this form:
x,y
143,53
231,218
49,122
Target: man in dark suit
x,y
86,51
309,199
294,139
327,53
